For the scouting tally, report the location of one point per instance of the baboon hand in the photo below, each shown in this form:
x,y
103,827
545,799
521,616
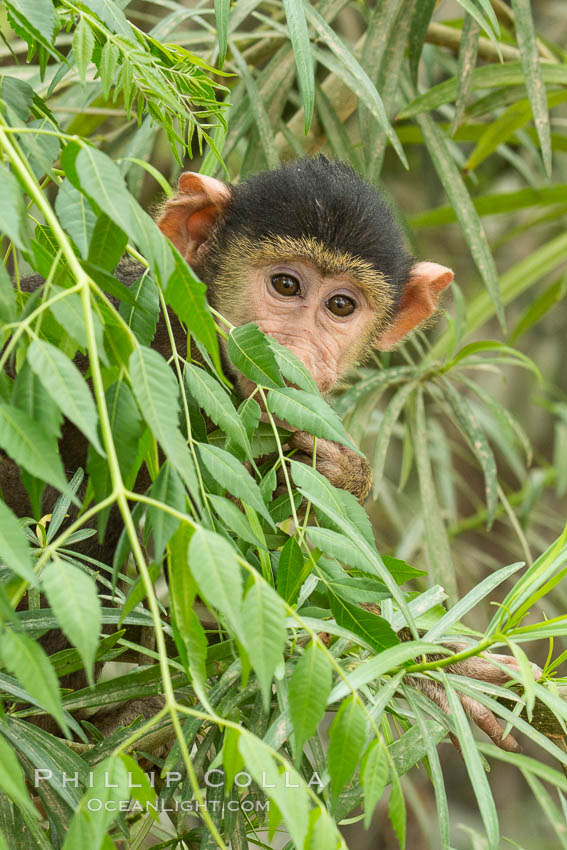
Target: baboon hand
x,y
483,669
340,465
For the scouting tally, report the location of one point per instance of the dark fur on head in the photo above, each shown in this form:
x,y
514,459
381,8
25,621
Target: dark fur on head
x,y
315,198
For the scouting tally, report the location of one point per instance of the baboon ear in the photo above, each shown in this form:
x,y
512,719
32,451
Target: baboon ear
x,y
189,217
418,302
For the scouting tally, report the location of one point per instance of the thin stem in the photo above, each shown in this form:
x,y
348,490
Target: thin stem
x,y
482,646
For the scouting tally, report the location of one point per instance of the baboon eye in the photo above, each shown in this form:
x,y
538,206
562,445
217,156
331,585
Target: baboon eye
x,y
340,305
285,284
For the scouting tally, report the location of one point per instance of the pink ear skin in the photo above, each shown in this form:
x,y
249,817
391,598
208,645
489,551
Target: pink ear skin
x,y
188,218
419,302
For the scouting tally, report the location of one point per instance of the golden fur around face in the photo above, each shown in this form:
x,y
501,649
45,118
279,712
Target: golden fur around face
x,y
244,253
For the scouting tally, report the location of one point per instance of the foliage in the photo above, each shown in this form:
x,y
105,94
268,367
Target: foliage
x,y
248,690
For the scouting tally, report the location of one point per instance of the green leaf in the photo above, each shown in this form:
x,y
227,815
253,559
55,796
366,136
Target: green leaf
x,y
401,571
101,179
249,411
232,759
458,195
66,386
308,690
251,354
108,787
12,208
292,368
383,26
28,444
234,520
494,204
422,13
337,136
216,403
360,555
114,18
137,591
167,488
295,11
529,56
323,833
491,26
375,383
143,315
68,312
485,77
354,76
76,215
12,781
17,95
384,436
261,117
347,735
374,776
285,788
60,509
340,546
436,773
512,119
196,645
506,350
354,589
373,629
525,763
233,476
40,14
181,458
538,308
83,46
472,598
182,585
310,413
474,767
40,150
526,676
263,633
107,244
185,294
512,283
108,65
213,563
468,51
292,571
222,15
74,599
127,429
336,502
140,787
549,809
26,659
8,308
397,809
14,548
156,391
438,551
479,445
